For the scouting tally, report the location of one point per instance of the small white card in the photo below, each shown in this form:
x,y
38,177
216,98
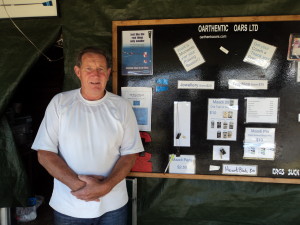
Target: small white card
x,y
184,84
214,168
248,84
184,164
260,54
224,50
189,55
238,169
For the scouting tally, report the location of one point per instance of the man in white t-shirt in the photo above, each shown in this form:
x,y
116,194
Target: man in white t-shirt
x,y
88,141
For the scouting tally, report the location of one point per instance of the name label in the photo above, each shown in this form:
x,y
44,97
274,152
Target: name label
x,y
248,84
208,85
238,169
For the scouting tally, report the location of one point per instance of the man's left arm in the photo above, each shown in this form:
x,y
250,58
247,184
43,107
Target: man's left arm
x,y
96,188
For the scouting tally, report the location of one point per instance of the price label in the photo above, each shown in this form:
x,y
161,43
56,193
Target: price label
x,y
184,164
181,167
259,140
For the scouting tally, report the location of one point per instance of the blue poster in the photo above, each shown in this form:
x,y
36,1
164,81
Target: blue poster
x,y
137,57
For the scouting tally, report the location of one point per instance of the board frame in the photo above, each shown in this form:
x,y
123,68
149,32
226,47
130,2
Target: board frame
x,y
116,24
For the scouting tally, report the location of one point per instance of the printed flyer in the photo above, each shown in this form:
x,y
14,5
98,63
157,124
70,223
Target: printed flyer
x,y
259,143
141,101
262,110
137,57
222,119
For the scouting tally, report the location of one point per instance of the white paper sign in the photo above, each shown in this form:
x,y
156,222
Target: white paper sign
x,y
237,169
184,164
141,101
248,84
259,143
184,84
182,123
262,110
189,55
222,119
260,54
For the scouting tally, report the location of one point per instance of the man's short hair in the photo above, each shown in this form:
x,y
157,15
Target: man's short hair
x,y
96,50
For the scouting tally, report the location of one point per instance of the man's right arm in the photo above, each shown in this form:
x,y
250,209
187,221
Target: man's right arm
x,y
59,169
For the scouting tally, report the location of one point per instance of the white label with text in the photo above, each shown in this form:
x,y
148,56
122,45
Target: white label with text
x,y
238,169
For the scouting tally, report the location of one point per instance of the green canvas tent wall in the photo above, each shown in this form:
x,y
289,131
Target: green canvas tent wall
x,y
160,201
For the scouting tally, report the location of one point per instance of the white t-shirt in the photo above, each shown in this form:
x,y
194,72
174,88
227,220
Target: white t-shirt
x,y
90,136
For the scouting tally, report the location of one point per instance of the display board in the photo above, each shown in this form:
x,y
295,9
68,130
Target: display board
x,y
217,98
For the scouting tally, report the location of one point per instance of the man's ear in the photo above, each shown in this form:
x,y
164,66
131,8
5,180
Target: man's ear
x,y
109,72
77,71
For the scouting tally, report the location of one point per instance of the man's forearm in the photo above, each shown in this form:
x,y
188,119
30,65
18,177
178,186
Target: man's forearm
x,y
59,169
121,170
96,188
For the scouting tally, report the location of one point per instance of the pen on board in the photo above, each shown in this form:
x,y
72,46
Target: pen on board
x,y
170,160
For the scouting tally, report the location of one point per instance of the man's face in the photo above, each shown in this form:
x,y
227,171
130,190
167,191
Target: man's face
x,y
93,74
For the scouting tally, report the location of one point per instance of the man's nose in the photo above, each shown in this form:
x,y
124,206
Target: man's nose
x,y
95,72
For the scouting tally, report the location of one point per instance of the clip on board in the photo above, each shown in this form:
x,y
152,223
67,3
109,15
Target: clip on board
x,y
209,62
